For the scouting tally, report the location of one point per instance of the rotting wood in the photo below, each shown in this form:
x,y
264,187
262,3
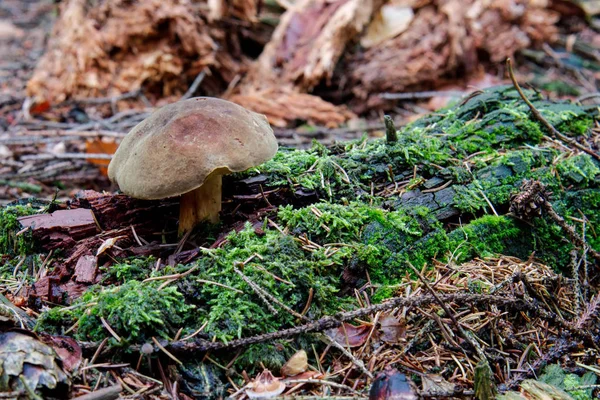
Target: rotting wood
x,y
61,228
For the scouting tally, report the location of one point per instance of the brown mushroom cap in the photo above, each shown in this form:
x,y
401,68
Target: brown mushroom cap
x,y
177,147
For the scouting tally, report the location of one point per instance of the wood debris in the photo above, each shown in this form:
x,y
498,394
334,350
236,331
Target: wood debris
x,y
303,51
61,228
114,46
244,10
444,37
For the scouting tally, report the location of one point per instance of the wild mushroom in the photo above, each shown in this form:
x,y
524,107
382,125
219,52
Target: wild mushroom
x,y
184,148
265,386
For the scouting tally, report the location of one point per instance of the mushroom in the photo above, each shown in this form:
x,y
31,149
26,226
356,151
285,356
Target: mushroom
x,y
265,386
185,148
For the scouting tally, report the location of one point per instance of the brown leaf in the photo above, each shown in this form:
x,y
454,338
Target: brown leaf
x,y
350,335
297,364
101,146
436,385
392,328
307,375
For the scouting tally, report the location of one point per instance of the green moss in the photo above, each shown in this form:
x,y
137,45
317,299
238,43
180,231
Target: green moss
x,y
134,268
135,311
584,203
567,118
487,236
278,264
10,242
580,169
556,376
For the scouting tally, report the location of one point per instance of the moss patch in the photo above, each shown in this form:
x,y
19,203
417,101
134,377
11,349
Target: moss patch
x,y
135,311
12,243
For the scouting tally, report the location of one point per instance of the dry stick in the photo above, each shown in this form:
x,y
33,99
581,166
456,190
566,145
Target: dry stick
x,y
109,393
329,322
555,353
190,92
543,120
347,353
257,290
568,229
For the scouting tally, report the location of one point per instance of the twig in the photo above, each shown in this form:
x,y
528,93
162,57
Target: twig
x,y
275,300
109,393
391,136
421,95
330,322
190,92
109,329
590,310
543,120
102,100
355,361
68,156
257,290
171,356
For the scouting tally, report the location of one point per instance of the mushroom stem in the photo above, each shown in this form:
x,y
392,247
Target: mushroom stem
x,y
201,204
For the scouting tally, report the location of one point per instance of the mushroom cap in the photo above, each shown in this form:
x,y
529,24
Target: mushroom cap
x,y
180,145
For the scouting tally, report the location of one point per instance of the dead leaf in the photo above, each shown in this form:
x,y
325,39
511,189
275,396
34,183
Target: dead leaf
x,y
306,375
104,145
297,364
39,108
107,244
392,328
350,335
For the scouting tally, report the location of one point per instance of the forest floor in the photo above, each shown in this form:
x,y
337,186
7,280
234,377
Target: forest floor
x,y
454,255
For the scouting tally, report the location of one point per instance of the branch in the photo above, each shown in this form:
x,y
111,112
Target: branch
x,y
330,322
555,133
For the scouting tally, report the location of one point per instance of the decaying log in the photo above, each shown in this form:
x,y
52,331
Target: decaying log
x,y
303,51
62,228
309,40
86,268
111,47
443,37
244,10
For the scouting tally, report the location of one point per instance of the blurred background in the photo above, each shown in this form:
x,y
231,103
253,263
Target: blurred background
x,y
77,75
